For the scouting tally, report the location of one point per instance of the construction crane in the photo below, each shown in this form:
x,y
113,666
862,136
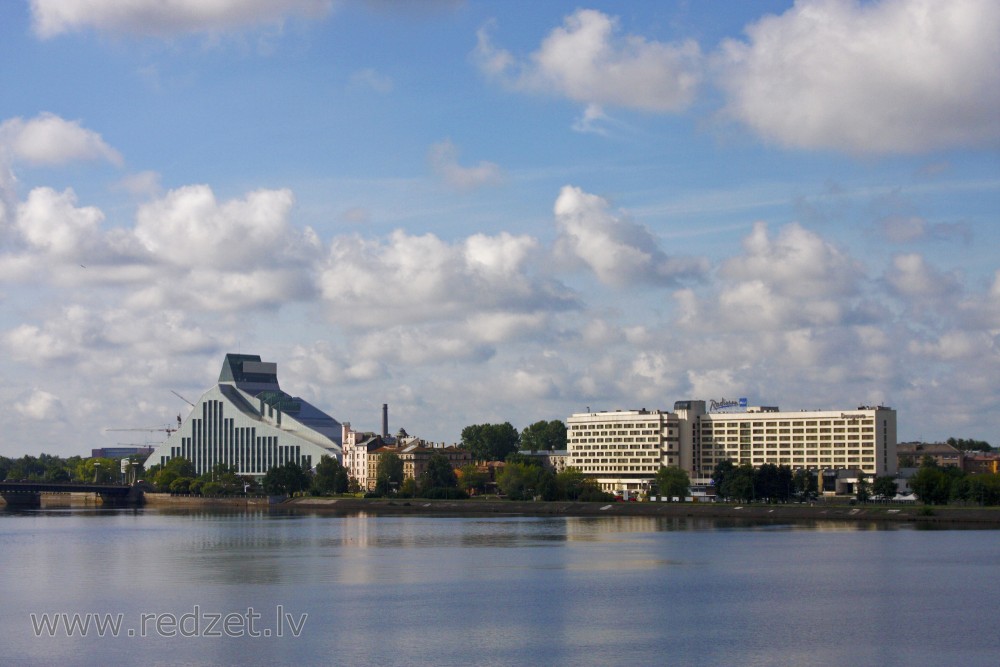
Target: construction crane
x,y
165,429
182,398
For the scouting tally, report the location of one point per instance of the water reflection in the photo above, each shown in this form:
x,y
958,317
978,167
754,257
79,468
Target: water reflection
x,y
506,590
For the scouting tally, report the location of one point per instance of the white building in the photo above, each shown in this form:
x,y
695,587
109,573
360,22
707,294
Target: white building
x,y
247,421
624,449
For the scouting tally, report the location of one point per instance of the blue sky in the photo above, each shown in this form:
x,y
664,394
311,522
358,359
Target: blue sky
x,y
508,211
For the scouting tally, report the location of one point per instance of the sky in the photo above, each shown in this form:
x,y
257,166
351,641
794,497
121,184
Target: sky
x,y
497,211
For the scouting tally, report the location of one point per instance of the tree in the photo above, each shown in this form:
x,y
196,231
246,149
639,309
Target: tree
x,y
672,481
520,481
490,442
862,489
544,436
739,485
932,485
439,473
722,470
173,469
388,473
884,487
331,476
471,478
286,479
805,483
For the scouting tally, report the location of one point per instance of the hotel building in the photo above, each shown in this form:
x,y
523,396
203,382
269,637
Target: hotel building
x,y
624,449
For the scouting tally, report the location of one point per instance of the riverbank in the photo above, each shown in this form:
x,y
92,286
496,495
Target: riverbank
x,y
981,517
820,511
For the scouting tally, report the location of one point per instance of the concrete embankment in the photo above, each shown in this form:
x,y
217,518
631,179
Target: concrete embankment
x,y
981,517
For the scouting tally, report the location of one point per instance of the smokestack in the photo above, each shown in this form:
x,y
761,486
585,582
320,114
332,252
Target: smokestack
x,y
385,420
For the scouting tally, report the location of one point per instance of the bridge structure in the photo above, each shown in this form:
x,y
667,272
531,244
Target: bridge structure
x,y
29,494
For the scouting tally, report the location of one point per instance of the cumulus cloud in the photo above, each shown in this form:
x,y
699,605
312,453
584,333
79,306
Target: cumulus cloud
x,y
423,278
588,61
48,139
40,406
912,277
154,17
443,157
619,252
190,227
50,221
796,279
895,76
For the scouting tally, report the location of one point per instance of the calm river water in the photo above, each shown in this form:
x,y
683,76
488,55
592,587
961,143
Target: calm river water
x,y
202,588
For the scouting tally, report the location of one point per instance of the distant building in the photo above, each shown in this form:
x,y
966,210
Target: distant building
x,y
249,422
120,452
554,460
623,449
911,454
979,462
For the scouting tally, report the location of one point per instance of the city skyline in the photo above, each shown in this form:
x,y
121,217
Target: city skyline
x,y
485,212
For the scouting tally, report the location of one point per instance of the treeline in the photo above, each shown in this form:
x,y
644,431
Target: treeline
x,y
49,468
495,442
970,445
935,485
178,476
780,484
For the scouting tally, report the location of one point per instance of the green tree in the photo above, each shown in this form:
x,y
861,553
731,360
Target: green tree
x,y
331,476
672,482
99,471
722,470
932,485
490,442
544,436
286,479
739,485
805,483
862,489
388,473
884,486
439,473
520,481
173,469
472,479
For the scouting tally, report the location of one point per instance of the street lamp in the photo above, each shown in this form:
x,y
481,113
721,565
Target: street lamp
x,y
97,468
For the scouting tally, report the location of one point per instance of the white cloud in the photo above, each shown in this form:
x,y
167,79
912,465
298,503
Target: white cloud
x,y
422,279
798,263
587,61
155,17
895,76
48,139
40,406
912,277
618,251
188,227
443,157
50,222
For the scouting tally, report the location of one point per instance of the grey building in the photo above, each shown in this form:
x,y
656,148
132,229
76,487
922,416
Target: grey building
x,y
249,422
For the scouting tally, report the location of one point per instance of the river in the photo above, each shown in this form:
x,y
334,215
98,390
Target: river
x,y
267,588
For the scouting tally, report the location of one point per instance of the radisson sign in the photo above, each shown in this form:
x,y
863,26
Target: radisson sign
x,y
725,404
